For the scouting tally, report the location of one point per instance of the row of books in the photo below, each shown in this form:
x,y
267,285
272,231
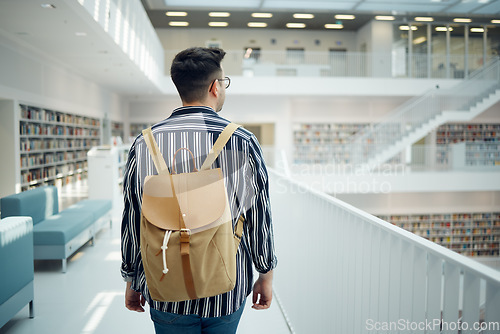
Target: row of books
x,y
28,145
55,130
39,114
51,158
52,172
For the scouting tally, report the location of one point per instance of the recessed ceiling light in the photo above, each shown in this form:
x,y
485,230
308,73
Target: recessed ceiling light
x,y
384,18
80,34
218,24
495,21
48,6
303,16
257,24
407,28
462,20
262,15
424,19
444,29
219,14
178,24
296,25
476,29
345,17
176,13
334,26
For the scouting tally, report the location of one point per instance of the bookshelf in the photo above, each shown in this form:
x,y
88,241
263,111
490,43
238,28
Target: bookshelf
x,y
320,143
53,145
467,233
117,129
482,143
136,128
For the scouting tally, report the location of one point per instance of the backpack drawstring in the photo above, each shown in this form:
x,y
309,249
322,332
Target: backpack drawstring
x,y
164,248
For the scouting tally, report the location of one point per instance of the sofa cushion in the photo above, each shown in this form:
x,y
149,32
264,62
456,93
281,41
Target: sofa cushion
x,y
16,255
39,204
62,227
98,207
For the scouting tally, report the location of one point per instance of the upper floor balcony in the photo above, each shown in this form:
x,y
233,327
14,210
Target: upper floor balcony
x,y
340,73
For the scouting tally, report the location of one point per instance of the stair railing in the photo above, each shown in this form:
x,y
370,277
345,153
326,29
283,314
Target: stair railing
x,y
371,141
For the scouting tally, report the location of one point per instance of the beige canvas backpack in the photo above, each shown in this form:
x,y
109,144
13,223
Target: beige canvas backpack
x,y
188,246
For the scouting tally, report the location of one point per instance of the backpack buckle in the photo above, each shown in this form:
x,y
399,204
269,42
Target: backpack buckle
x,y
185,235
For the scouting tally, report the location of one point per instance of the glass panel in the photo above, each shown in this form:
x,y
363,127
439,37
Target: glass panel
x,y
399,52
457,52
420,46
438,65
493,41
475,50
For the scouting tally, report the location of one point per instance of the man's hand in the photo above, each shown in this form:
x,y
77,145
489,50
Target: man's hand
x,y
133,299
263,291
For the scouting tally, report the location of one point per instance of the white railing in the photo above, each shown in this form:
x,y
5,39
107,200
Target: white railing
x,y
342,270
343,64
416,112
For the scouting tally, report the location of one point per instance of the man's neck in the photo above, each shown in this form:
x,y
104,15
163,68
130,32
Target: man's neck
x,y
198,104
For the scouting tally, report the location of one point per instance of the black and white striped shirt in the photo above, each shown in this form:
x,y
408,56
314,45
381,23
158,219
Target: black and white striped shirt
x,y
246,179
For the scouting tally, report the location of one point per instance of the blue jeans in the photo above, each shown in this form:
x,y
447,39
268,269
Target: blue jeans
x,y
166,323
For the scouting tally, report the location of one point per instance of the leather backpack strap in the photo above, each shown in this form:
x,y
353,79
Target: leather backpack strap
x,y
219,145
154,151
161,166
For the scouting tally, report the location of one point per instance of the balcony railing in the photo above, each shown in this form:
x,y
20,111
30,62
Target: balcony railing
x,y
344,64
342,270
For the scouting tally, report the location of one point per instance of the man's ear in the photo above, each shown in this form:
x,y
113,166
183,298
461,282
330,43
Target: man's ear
x,y
215,89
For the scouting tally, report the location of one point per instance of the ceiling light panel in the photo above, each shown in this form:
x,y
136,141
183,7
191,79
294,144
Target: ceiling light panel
x,y
257,24
303,16
444,29
48,6
384,18
408,28
176,14
334,26
495,21
462,20
424,19
262,15
218,24
476,29
219,14
296,25
178,24
345,17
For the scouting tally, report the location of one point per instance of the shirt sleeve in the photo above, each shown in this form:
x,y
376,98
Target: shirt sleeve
x,y
130,247
259,225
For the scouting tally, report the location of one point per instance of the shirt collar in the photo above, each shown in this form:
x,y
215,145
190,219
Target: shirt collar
x,y
193,109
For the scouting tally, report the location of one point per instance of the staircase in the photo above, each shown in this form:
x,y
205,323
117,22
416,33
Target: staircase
x,y
419,116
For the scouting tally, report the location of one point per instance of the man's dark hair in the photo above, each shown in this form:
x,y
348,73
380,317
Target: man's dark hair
x,y
194,69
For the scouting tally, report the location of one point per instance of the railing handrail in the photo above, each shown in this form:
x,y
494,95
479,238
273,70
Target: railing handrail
x,y
465,263
415,100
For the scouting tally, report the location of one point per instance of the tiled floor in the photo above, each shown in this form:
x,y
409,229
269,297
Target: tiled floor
x,y
89,297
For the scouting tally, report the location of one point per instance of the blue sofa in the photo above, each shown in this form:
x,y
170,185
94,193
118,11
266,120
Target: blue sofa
x,y
57,234
16,263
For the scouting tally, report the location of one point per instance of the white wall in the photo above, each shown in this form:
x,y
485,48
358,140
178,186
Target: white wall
x,y
239,39
376,37
30,77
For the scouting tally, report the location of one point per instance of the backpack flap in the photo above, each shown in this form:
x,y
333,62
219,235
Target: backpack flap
x,y
201,197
